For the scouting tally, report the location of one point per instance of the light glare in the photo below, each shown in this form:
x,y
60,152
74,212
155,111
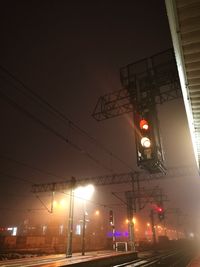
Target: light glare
x,y
145,142
84,192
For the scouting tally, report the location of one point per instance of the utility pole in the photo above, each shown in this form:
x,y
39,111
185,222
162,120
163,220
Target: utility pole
x,y
112,224
129,200
153,226
70,219
177,223
83,234
113,233
83,228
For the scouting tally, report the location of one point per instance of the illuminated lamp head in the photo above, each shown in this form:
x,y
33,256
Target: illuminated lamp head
x,y
144,125
145,142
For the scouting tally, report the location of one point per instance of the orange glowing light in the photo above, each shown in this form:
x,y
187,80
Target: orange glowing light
x,y
97,212
63,203
55,203
134,220
144,125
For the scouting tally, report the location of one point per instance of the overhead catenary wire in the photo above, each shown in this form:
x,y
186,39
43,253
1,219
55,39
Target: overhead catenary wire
x,y
30,166
20,210
60,192
90,201
36,97
52,130
109,206
13,195
16,177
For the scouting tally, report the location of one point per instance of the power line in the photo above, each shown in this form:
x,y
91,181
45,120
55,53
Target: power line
x,y
30,166
88,200
15,195
60,192
59,114
20,210
3,193
67,194
52,130
16,177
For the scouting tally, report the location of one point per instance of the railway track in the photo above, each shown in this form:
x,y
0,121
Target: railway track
x,y
175,258
172,258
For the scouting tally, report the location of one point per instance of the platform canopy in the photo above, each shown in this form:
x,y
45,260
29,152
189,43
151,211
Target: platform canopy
x,y
184,21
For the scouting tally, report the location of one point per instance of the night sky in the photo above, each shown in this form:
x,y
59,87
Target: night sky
x,y
69,53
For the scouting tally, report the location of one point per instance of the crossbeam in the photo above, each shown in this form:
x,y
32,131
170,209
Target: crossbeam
x,y
110,179
157,76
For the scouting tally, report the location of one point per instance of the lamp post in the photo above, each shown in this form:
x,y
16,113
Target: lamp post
x,y
153,227
70,219
83,230
84,193
70,224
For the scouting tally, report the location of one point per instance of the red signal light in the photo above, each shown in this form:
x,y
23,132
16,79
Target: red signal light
x,y
160,209
144,125
161,213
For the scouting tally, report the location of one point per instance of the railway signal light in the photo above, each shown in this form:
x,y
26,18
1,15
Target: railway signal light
x,y
148,143
145,142
161,213
144,125
145,138
111,217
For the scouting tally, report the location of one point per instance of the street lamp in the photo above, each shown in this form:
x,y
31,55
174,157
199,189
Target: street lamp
x,y
70,223
85,193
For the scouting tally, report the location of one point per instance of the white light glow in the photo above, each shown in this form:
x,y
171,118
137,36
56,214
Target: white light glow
x,y
145,142
14,233
84,192
78,229
191,235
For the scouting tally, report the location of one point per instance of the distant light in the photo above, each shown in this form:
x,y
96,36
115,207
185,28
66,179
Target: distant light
x,y
192,235
55,203
134,220
61,229
14,233
78,229
145,142
44,229
97,212
117,234
126,234
148,224
63,203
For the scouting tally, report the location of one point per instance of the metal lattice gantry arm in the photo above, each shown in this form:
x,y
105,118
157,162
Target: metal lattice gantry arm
x,y
112,105
97,180
152,195
142,198
159,79
121,102
110,179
